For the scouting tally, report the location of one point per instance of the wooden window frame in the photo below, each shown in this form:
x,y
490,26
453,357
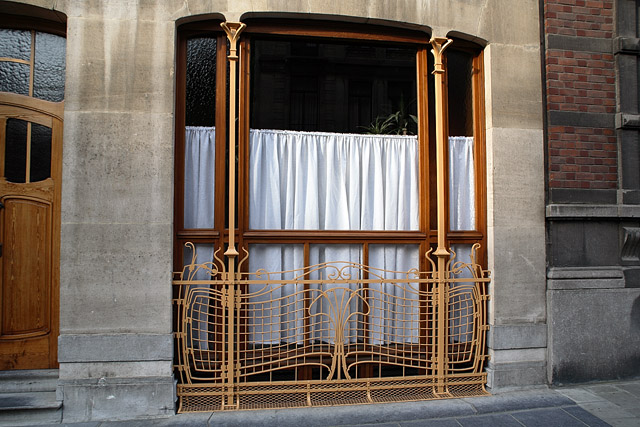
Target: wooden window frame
x,y
425,237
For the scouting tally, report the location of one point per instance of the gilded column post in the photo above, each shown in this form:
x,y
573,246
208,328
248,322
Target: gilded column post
x,y
233,30
439,44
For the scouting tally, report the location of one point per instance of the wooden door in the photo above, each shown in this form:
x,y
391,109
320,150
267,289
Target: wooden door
x,y
30,172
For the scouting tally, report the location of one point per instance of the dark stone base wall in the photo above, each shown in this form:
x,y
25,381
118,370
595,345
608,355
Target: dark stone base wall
x,y
593,292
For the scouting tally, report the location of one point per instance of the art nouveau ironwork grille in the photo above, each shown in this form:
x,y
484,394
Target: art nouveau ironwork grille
x,y
349,335
338,332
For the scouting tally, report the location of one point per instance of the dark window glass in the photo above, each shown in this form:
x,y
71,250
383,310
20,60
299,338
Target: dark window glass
x,y
40,152
333,87
201,82
14,77
460,93
48,77
15,151
15,44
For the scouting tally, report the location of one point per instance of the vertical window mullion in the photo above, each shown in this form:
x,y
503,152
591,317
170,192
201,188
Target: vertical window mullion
x,y
221,136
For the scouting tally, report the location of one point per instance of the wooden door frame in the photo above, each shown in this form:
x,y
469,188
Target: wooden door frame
x,y
49,114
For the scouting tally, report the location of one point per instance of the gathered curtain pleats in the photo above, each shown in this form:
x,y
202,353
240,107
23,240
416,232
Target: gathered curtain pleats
x,y
329,181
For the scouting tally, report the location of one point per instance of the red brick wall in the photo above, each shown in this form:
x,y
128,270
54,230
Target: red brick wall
x,y
580,82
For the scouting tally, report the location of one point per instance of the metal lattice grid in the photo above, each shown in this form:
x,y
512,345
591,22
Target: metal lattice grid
x,y
329,334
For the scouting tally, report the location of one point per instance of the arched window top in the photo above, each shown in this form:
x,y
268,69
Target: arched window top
x,y
32,63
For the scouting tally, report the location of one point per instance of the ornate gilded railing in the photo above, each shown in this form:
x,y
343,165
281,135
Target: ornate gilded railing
x,y
329,334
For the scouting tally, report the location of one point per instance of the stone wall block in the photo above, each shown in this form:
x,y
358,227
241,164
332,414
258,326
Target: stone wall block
x,y
500,17
116,278
594,334
118,167
120,65
117,399
515,92
518,276
517,173
505,337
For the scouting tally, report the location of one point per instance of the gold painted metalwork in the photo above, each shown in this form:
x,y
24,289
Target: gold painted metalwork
x,y
439,45
334,333
233,31
328,334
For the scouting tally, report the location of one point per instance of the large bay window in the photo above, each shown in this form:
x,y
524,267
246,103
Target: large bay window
x,y
336,162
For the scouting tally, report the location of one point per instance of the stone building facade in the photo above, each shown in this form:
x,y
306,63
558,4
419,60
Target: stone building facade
x,y
547,325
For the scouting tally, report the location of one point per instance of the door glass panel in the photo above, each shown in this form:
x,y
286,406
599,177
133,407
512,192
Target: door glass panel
x,y
15,44
14,77
15,151
48,77
40,152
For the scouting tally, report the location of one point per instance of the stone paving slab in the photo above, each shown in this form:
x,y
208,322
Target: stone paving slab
x,y
593,405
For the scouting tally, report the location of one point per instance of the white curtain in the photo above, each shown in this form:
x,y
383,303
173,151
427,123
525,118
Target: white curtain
x,y
199,167
329,181
462,211
199,174
462,216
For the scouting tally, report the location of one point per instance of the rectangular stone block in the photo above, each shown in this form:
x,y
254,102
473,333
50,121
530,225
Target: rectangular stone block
x,y
504,375
502,16
114,347
120,65
87,370
117,399
514,88
573,278
520,355
116,278
516,176
118,168
583,243
517,261
505,337
595,334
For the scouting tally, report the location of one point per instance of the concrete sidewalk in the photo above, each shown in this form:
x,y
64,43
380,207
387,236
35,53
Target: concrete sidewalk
x,y
599,404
